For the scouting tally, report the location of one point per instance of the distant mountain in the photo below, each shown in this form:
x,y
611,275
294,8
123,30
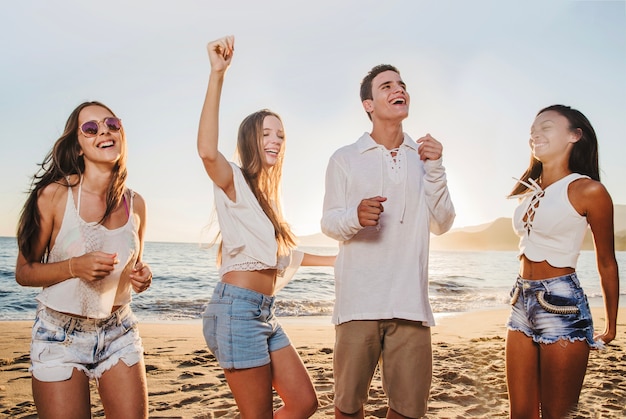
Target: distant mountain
x,y
317,240
497,235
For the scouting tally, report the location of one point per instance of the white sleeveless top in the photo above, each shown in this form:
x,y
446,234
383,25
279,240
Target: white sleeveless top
x,y
93,299
549,226
248,240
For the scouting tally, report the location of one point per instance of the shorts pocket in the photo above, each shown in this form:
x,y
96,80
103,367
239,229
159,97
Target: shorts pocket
x,y
209,329
44,331
556,304
514,294
243,309
128,323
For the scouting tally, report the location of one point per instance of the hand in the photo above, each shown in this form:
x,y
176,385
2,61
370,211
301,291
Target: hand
x,y
369,210
429,148
94,266
221,53
141,277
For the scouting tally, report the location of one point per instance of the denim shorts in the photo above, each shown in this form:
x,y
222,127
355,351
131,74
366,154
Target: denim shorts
x,y
61,342
552,309
240,327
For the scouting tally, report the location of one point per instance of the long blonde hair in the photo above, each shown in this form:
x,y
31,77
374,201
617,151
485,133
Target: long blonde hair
x,y
264,181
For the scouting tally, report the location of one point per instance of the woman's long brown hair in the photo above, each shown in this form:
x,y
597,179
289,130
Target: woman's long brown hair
x,y
62,161
264,181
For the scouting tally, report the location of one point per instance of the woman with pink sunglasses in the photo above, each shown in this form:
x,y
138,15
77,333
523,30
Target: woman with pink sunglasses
x,y
80,238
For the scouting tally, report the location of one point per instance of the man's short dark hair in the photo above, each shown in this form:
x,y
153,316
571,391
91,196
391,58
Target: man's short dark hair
x,y
366,83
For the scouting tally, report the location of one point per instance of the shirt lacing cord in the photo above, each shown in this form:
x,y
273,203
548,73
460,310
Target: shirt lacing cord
x,y
537,193
394,159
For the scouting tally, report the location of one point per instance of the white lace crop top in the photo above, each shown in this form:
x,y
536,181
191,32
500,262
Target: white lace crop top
x,y
548,225
248,240
76,237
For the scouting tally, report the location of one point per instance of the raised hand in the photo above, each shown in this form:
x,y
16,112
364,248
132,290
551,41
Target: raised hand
x,y
221,53
429,148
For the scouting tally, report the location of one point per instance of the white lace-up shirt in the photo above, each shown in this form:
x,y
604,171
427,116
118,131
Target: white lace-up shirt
x,y
382,272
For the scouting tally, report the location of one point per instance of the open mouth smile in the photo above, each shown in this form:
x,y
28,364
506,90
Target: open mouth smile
x,y
106,144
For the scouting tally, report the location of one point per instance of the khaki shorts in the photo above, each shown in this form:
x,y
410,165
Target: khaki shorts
x,y
404,348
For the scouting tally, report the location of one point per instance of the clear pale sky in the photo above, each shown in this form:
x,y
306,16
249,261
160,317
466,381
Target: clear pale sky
x,y
477,72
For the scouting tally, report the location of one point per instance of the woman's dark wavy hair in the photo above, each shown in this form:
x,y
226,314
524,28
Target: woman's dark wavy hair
x,y
63,160
584,156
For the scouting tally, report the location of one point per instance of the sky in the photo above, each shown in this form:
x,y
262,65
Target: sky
x,y
477,72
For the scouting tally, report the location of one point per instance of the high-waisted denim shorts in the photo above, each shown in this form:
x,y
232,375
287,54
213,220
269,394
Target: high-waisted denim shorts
x,y
240,327
61,342
552,309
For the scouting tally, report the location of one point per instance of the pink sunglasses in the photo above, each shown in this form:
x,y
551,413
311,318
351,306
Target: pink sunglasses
x,y
91,128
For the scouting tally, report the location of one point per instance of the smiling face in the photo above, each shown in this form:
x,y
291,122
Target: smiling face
x,y
273,138
390,100
107,146
551,136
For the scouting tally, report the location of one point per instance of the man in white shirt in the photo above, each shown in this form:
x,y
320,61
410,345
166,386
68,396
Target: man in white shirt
x,y
385,194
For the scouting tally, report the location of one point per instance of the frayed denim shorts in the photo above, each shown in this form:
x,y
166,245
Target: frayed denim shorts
x,y
240,327
552,309
61,342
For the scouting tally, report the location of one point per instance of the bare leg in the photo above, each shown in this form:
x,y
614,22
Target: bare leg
x,y
563,368
252,389
124,391
69,399
293,384
522,375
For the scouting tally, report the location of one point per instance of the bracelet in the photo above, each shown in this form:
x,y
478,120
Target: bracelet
x,y
69,262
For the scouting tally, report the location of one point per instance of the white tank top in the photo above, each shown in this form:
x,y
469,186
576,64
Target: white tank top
x,y
93,299
549,226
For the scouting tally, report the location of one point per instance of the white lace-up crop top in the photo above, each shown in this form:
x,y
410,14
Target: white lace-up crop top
x,y
548,225
94,299
248,240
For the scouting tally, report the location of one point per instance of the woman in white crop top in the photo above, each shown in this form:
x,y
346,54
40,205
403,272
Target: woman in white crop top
x,y
256,256
80,238
550,329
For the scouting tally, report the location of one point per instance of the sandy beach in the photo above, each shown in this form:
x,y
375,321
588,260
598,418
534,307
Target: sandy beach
x,y
184,380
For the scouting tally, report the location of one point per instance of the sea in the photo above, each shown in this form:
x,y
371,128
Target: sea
x,y
185,274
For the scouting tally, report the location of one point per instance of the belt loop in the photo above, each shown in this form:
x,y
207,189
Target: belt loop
x,y
72,326
118,317
222,289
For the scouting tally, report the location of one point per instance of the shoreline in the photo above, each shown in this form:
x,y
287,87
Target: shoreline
x,y
184,380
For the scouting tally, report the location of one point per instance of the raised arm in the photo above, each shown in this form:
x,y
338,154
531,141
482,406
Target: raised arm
x,y
438,199
216,165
